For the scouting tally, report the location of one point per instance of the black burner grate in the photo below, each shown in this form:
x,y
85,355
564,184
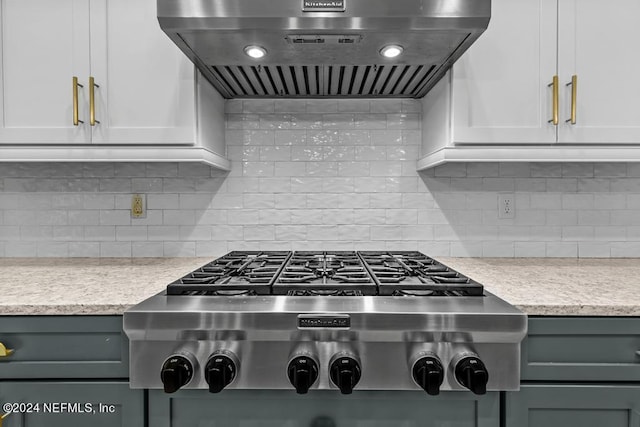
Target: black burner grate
x,y
332,273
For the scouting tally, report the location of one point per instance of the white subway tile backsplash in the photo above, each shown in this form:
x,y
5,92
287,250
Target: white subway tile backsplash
x,y
275,185
577,169
515,169
322,232
529,249
176,217
370,121
144,249
483,169
321,106
594,250
195,233
498,249
529,216
577,233
226,232
290,105
370,216
409,121
244,217
610,170
322,169
213,249
326,173
387,106
625,250
354,137
594,185
370,153
306,216
179,249
258,201
338,184
274,216
385,168
290,137
306,185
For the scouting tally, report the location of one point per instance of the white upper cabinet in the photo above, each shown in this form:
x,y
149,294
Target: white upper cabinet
x,y
599,42
145,85
146,93
43,45
500,92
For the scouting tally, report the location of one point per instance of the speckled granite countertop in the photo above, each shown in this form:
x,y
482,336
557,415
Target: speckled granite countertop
x,y
552,286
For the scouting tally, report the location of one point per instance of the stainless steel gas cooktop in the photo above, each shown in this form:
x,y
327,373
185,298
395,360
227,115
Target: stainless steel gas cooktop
x,y
372,320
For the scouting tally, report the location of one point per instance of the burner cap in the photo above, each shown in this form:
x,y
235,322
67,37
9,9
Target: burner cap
x,y
233,292
414,292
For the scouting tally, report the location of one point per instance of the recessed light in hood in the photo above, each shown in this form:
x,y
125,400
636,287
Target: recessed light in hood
x,y
255,52
391,51
284,48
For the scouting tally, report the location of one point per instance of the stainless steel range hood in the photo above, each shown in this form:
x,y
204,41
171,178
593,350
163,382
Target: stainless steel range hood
x,y
323,48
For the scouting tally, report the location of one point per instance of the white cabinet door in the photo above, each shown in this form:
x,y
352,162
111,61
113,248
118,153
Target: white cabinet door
x,y
599,42
500,92
146,93
43,45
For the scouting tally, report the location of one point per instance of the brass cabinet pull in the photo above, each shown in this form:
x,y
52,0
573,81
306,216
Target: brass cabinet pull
x,y
76,119
574,93
2,417
4,351
554,83
92,102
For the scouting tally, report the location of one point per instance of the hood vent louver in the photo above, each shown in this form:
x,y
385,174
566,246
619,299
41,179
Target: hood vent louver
x,y
316,81
297,48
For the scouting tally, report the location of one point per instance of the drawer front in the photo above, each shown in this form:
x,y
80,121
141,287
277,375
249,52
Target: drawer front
x,y
67,404
322,408
64,347
582,349
567,405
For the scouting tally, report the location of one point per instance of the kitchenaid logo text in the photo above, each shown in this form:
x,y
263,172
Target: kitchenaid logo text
x,y
323,5
324,322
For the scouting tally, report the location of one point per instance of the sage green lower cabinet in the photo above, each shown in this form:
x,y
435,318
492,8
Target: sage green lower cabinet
x,y
322,408
567,405
71,404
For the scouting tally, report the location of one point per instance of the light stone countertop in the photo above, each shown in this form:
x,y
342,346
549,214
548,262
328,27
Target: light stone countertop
x,y
538,286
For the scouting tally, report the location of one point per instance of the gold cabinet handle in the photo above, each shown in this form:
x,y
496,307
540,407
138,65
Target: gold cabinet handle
x,y
92,101
574,93
4,351
76,85
3,416
554,83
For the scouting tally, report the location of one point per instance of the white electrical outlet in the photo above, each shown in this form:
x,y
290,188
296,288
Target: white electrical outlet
x,y
506,205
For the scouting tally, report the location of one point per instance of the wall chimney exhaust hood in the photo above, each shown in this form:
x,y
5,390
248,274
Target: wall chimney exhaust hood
x,y
323,48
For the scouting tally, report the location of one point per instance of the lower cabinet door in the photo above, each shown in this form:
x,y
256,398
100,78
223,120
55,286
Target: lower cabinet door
x,y
276,408
70,404
574,405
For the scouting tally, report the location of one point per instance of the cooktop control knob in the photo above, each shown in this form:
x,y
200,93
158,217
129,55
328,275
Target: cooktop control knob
x,y
345,373
176,372
471,373
302,372
219,372
428,373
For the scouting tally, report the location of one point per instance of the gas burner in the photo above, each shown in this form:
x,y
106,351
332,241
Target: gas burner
x,y
325,293
325,273
251,272
407,273
413,293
